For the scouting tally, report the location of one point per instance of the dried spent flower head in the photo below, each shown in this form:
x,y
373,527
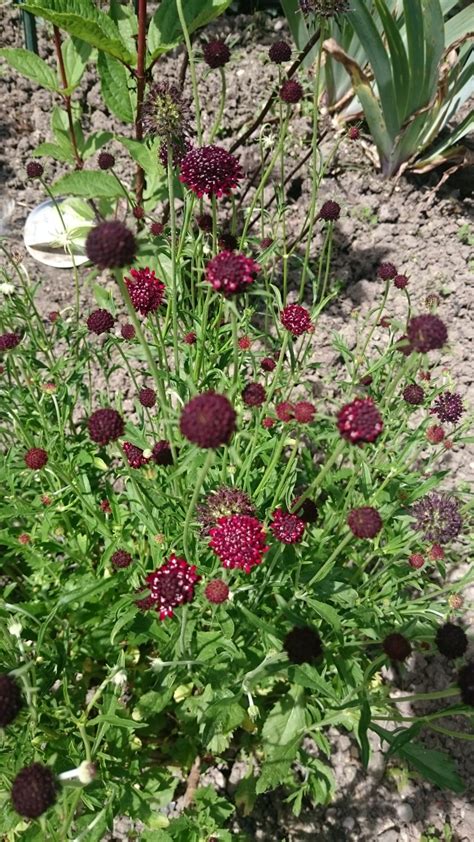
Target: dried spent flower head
x,y
296,319
364,522
146,291
8,341
172,585
330,211
254,394
121,558
303,645
396,646
127,331
432,301
360,421
413,394
147,397
304,412
35,458
11,700
166,114
162,453
285,411
216,53
105,425
229,272
279,52
291,91
100,321
466,683
208,420
223,502
216,591
435,434
210,171
400,281
448,407
451,640
105,161
455,601
134,455
437,518
34,169
105,507
426,333
239,542
34,790
110,245
268,364
287,527
416,561
387,271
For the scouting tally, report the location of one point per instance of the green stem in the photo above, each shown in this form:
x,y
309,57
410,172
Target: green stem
x,y
192,69
220,112
197,490
174,293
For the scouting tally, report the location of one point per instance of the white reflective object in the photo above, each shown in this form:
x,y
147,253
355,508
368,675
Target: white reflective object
x,y
51,234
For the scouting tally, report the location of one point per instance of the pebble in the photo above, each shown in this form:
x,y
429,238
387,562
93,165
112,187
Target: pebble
x,y
348,823
405,812
390,835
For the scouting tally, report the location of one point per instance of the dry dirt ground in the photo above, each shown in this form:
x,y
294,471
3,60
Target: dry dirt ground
x,y
428,232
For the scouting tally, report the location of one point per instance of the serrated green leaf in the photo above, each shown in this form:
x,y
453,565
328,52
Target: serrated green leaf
x,y
286,720
54,150
31,66
326,612
76,54
435,766
117,89
87,184
164,32
276,768
94,142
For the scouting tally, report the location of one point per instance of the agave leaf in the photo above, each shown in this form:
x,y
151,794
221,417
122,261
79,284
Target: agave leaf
x,y
434,45
398,57
415,43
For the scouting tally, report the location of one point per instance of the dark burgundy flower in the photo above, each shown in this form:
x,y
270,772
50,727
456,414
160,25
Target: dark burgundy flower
x,y
244,343
145,603
307,510
147,397
296,319
285,411
287,527
279,52
172,585
34,169
304,412
110,245
223,502
268,364
146,291
138,212
190,338
204,222
436,552
360,421
416,561
162,453
466,683
156,229
134,454
266,242
448,407
353,133
36,458
364,522
10,700
426,333
8,341
216,53
253,394
105,507
451,640
437,517
387,271
106,161
291,91
121,558
267,423
210,171
229,272
413,394
216,591
105,425
100,321
166,114
53,316
227,241
400,281
303,645
239,541
34,790
435,434
127,331
208,420
396,646
330,211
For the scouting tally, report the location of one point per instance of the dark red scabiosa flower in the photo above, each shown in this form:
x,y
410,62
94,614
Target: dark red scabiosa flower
x,y
385,322
307,510
268,364
330,211
208,420
230,273
162,453
134,454
296,319
266,242
448,407
110,245
466,683
106,161
424,375
216,591
254,394
244,343
279,52
436,552
53,316
204,222
34,169
227,242
427,333
291,91
416,561
190,338
34,790
223,502
216,53
285,411
8,341
303,645
387,271
435,434
24,538
121,558
210,171
366,380
268,423
146,291
156,229
138,212
353,133
396,646
10,700
360,421
100,321
437,517
105,425
105,507
172,585
400,281
127,331
147,397
36,458
304,412
239,542
287,527
413,394
364,522
451,640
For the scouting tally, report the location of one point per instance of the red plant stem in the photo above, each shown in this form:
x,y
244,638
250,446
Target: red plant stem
x,y
67,98
141,81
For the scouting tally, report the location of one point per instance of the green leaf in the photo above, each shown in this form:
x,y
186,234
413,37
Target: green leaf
x,y
31,66
276,768
127,23
459,26
364,722
416,51
286,720
326,612
76,54
141,153
433,765
399,60
54,150
165,33
434,46
116,86
94,142
88,184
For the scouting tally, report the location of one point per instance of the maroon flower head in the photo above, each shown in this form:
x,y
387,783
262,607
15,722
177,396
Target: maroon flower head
x,y
291,91
285,411
156,229
229,272
254,394
266,242
296,319
216,591
435,434
216,53
239,541
34,790
387,271
416,561
53,316
330,211
8,341
106,161
138,212
166,114
353,133
306,510
303,645
204,222
413,394
145,603
147,397
448,407
436,552
35,458
100,321
279,52
121,558
134,454
364,522
172,585
162,453
437,517
110,245
466,683
127,331
10,700
304,412
227,241
400,281
34,169
244,343
360,421
426,333
105,425
190,338
287,527
268,364
210,171
222,503
208,420
397,647
146,291
268,423
451,640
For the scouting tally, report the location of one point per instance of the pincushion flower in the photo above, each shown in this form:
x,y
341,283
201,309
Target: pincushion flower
x,y
111,245
437,518
448,407
426,333
210,171
360,421
239,541
287,527
303,645
105,425
146,291
208,420
172,585
296,319
34,790
230,272
223,502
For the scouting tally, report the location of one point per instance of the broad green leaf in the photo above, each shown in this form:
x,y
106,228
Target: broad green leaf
x,y
76,54
326,612
446,147
165,33
117,89
276,768
31,66
459,26
286,720
94,142
433,765
54,150
88,184
144,155
127,23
